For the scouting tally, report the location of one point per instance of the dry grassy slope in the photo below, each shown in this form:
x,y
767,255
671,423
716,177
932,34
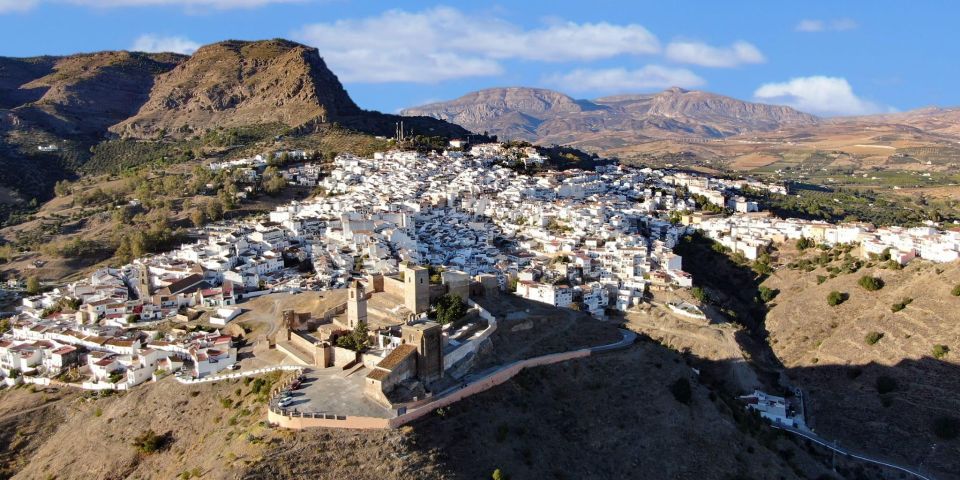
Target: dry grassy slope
x,y
86,445
824,348
82,94
609,416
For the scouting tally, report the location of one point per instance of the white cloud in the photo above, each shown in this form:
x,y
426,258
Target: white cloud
x,y
16,5
817,94
835,25
150,42
192,5
218,4
444,43
698,53
620,80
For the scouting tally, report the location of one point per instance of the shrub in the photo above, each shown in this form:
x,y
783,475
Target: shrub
x,y
804,243
149,442
699,294
836,298
896,307
499,475
870,284
821,279
886,384
502,431
873,337
940,351
946,427
767,294
681,390
956,291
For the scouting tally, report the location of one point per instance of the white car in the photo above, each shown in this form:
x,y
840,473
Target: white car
x,y
284,402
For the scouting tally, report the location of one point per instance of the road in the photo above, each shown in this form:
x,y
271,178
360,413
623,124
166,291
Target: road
x,y
817,439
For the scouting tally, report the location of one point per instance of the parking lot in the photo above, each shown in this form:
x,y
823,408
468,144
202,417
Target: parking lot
x,y
327,391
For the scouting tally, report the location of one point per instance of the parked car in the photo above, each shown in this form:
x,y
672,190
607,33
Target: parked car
x,y
234,366
285,402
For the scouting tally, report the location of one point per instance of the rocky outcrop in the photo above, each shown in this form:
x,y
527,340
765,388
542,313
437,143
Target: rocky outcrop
x,y
236,83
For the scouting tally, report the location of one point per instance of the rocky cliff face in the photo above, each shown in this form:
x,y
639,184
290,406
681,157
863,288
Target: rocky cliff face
x,y
236,83
79,95
550,117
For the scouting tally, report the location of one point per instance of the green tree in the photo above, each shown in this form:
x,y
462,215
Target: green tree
x,y
767,294
946,427
886,384
149,442
870,284
198,217
836,298
699,294
449,308
33,285
804,243
681,390
356,340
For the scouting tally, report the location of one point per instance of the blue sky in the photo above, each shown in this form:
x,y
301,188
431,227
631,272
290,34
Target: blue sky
x,y
828,58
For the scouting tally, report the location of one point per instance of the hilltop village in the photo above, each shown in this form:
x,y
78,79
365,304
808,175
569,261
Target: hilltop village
x,y
401,250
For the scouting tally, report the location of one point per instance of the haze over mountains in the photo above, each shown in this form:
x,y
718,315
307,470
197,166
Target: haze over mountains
x,y
547,116
614,122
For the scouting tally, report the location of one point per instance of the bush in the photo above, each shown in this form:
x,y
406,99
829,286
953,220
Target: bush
x,y
873,337
681,390
499,475
896,307
699,294
956,291
804,243
836,298
940,351
767,294
886,384
821,279
149,442
946,427
870,284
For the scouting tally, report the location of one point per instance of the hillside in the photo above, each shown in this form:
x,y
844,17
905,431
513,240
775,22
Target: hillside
x,y
228,94
236,83
827,350
547,117
611,416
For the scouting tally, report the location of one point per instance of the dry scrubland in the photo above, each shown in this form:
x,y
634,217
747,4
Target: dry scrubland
x,y
607,416
826,350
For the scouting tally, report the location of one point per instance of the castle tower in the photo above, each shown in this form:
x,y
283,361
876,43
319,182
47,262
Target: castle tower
x,y
427,337
416,288
356,304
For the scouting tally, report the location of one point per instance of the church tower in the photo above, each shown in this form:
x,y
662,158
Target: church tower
x,y
416,288
356,304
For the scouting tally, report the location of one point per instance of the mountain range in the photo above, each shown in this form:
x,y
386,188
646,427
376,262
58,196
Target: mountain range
x,y
622,121
546,116
78,101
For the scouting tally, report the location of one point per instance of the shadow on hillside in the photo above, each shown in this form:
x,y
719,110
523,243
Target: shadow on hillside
x,y
733,290
562,420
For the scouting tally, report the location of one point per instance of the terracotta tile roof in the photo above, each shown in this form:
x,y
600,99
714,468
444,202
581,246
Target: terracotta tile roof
x,y
397,356
378,374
